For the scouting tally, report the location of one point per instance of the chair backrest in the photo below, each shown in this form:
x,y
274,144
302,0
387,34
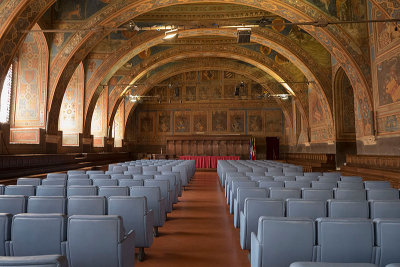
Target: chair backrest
x,y
384,209
313,174
306,208
285,240
306,178
21,190
351,179
350,185
269,184
51,190
142,177
323,185
130,182
132,210
387,240
297,184
81,190
5,233
12,204
95,172
284,178
72,182
329,179
348,209
135,169
383,194
54,181
349,194
331,174
345,240
376,184
120,169
243,193
100,247
152,194
57,175
241,184
254,208
108,191
47,204
121,176
162,184
29,181
170,178
99,176
316,194
105,182
284,193
78,176
72,172
37,234
149,168
275,169
35,261
260,178
86,205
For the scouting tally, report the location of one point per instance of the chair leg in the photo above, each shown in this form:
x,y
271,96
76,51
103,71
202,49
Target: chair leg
x,y
141,255
155,231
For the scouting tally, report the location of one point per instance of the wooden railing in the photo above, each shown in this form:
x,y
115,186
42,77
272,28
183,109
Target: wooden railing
x,y
374,167
13,166
312,161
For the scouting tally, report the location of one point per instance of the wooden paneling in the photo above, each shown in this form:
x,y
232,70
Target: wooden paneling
x,y
374,167
312,162
208,145
22,165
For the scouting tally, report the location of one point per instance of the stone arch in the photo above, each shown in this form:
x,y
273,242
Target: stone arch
x,y
344,117
30,90
170,56
264,37
333,38
222,64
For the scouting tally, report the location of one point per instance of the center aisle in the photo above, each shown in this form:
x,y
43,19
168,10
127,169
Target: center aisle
x,y
199,231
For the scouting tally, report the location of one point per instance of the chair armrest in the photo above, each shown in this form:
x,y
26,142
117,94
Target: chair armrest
x,y
256,250
126,249
149,224
243,231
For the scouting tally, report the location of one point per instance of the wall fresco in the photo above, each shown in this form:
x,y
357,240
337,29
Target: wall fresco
x,y
77,9
71,112
200,122
273,122
182,122
118,125
164,122
389,81
219,121
31,86
236,121
99,119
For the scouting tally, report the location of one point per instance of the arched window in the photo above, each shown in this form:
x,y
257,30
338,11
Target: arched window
x,y
6,97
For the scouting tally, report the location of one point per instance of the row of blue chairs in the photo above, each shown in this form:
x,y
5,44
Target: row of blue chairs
x,y
253,208
281,241
86,240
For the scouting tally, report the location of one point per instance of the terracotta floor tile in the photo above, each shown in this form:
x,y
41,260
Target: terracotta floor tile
x,y
199,232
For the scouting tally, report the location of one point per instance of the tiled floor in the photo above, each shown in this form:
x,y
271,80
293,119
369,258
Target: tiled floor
x,y
199,232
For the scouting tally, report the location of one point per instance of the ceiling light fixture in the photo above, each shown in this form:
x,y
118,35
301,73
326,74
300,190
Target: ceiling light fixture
x,y
171,34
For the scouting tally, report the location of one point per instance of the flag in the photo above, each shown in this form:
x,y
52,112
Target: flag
x,y
252,155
